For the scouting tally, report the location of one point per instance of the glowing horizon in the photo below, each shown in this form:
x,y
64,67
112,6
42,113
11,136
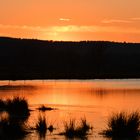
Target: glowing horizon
x,y
71,20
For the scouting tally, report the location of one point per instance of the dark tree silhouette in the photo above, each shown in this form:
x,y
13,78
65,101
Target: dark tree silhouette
x,y
36,59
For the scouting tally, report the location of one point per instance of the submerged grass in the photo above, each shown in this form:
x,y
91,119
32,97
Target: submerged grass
x,y
80,131
11,128
123,125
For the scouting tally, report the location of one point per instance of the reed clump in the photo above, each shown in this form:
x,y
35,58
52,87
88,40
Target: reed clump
x,y
17,106
41,125
123,125
71,130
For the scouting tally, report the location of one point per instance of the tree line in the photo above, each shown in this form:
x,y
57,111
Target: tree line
x,y
37,59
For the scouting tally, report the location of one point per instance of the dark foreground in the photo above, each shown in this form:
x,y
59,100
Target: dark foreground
x,y
35,59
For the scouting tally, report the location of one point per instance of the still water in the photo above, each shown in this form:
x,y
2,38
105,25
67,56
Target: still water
x,y
94,100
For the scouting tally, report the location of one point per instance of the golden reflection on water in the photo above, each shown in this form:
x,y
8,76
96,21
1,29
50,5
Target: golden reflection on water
x,y
119,94
93,99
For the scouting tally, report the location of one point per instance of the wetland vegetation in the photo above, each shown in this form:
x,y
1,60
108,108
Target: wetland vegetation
x,y
119,125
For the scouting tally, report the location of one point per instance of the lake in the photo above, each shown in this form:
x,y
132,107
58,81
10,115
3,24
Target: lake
x,y
94,100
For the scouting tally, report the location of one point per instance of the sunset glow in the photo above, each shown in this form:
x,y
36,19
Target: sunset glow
x,y
113,20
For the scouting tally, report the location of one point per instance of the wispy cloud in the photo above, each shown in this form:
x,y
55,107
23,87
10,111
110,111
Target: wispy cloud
x,y
136,18
64,19
116,21
74,28
24,27
55,30
129,20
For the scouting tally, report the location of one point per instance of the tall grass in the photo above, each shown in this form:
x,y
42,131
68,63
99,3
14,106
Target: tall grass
x,y
84,127
123,125
71,130
41,126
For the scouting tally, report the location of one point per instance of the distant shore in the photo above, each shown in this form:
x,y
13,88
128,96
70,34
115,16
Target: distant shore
x,y
25,59
67,77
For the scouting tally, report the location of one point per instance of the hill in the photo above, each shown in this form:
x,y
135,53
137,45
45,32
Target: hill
x,y
37,59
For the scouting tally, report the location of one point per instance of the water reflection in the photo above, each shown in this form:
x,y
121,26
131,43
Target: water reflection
x,y
94,99
122,138
16,87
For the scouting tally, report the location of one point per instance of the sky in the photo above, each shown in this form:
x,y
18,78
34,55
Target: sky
x,y
75,20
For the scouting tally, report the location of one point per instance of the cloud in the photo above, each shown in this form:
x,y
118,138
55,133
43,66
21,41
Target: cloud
x,y
64,19
130,20
116,21
24,27
136,19
55,30
94,28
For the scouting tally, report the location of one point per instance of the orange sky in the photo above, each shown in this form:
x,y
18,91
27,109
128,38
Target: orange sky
x,y
114,20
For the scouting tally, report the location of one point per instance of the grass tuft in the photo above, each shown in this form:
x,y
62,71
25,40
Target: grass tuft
x,y
123,125
41,126
71,130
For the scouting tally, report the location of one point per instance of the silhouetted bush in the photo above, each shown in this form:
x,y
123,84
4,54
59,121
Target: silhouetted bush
x,y
123,125
17,106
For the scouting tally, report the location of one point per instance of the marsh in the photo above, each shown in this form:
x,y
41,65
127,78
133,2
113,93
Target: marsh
x,y
94,100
